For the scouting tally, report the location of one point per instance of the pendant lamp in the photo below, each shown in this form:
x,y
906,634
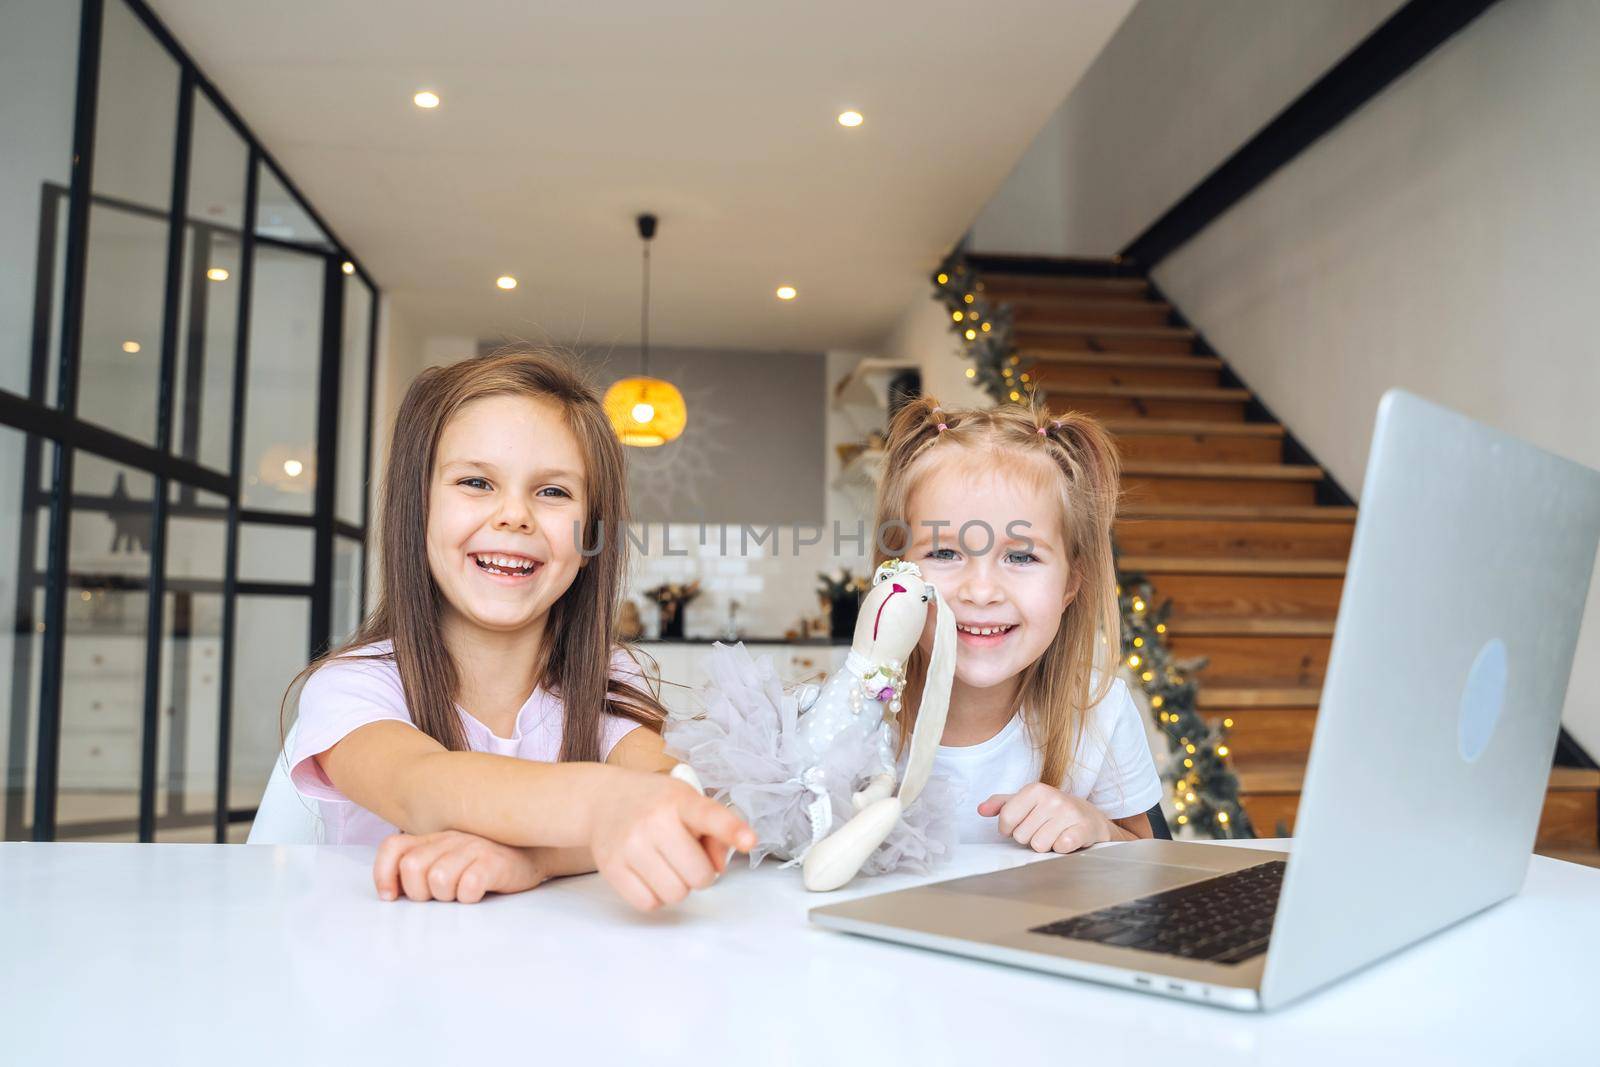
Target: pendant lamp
x,y
646,412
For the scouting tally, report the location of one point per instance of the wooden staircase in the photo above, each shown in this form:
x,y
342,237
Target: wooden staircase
x,y
1226,518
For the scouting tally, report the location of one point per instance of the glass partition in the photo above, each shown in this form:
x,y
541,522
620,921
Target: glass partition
x,y
170,312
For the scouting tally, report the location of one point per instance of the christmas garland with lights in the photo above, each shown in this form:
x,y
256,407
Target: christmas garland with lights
x,y
985,331
1204,789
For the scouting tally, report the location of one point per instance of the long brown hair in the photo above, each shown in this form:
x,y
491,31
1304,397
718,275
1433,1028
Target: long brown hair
x,y
576,660
1056,689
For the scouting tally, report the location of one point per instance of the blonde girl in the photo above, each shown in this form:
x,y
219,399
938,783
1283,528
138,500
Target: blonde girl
x,y
1008,511
483,710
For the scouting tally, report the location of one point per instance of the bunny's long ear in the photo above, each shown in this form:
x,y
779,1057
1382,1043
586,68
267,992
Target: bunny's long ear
x,y
935,704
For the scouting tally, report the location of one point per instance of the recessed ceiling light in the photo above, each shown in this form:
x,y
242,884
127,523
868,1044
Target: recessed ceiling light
x,y
348,267
426,99
506,281
787,292
850,118
217,274
130,347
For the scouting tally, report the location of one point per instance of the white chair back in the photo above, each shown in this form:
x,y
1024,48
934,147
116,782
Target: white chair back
x,y
284,816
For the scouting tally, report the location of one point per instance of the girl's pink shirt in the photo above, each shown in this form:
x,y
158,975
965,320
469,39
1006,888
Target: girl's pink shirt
x,y
349,693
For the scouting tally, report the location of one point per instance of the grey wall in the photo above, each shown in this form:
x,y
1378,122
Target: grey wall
x,y
752,449
1180,86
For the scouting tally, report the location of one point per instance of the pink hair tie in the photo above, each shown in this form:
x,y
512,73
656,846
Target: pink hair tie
x,y
1041,431
943,427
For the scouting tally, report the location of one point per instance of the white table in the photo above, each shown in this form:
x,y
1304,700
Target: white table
x,y
233,954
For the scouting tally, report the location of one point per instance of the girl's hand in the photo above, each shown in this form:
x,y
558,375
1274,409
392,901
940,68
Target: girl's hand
x,y
1048,820
452,865
654,838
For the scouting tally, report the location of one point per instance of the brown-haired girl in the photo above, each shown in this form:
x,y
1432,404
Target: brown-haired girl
x,y
482,709
1008,511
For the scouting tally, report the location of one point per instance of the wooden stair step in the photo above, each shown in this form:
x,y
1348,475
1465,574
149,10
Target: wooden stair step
x,y
1079,300
1193,427
1288,776
1001,285
1067,370
1154,565
1579,778
1288,472
1270,792
1147,402
1040,338
1089,313
1254,596
1046,328
1196,440
1223,698
1220,483
1265,627
1208,512
1276,660
1202,394
1234,538
1131,361
1266,734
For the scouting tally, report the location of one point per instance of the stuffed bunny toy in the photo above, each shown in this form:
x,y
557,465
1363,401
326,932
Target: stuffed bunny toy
x,y
815,771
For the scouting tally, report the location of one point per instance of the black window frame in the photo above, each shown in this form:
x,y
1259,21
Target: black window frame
x,y
53,423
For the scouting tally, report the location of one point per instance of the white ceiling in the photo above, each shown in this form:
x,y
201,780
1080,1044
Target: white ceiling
x,y
561,122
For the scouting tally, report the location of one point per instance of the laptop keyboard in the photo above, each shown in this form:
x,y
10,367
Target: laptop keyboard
x,y
1226,919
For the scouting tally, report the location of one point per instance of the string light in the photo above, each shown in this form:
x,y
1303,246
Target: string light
x,y
1222,750
1134,661
967,298
972,335
943,278
957,315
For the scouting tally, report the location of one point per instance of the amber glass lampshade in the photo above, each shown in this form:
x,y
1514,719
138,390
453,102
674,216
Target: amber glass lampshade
x,y
646,412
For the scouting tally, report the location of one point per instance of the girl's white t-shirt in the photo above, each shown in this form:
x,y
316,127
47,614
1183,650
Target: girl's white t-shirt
x,y
1112,767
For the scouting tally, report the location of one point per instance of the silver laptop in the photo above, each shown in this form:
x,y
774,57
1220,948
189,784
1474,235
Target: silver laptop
x,y
1450,660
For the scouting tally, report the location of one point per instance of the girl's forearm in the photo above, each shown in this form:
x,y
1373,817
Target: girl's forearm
x,y
560,862
514,801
